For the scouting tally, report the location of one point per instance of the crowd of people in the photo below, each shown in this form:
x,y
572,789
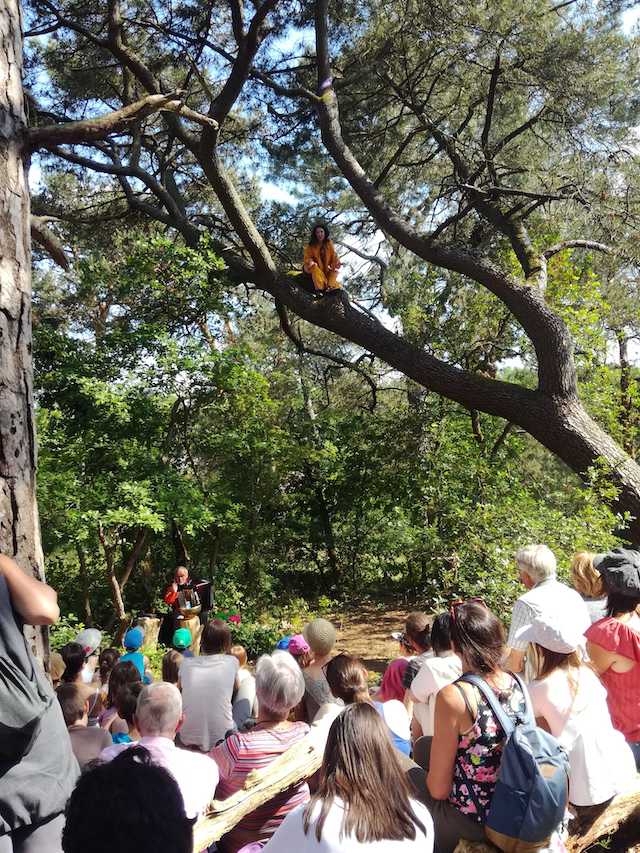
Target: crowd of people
x,y
116,761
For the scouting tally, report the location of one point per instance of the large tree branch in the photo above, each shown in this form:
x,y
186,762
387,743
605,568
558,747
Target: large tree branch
x,y
593,245
548,333
99,127
44,237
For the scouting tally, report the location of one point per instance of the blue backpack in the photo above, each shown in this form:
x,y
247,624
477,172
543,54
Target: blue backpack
x,y
531,792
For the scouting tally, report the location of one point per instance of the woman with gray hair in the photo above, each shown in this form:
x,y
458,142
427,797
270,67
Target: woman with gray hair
x,y
279,688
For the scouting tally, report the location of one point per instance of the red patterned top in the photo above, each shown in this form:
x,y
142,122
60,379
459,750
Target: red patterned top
x,y
623,688
236,757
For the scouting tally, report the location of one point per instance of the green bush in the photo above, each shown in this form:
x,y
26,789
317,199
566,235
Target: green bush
x,y
65,630
257,639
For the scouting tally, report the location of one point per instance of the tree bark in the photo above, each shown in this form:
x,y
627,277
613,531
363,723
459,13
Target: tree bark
x,y
627,415
19,524
84,580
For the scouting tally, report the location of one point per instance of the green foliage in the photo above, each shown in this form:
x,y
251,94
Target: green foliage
x,y
257,639
65,630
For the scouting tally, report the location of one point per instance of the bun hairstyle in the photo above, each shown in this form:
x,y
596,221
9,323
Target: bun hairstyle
x,y
347,679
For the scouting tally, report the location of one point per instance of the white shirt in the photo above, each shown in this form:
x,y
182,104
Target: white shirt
x,y
548,596
291,838
601,763
197,775
207,687
435,673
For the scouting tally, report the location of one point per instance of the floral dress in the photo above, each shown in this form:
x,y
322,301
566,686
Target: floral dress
x,y
480,752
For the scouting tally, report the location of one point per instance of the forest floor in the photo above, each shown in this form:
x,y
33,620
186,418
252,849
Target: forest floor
x,y
365,632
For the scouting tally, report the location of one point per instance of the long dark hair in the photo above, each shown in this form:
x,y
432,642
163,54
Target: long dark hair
x,y
106,662
478,637
74,657
215,638
360,768
313,240
619,603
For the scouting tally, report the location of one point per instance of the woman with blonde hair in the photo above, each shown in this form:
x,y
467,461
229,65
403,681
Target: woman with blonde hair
x,y
586,581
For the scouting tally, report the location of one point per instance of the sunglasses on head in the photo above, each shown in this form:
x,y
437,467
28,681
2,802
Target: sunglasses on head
x,y
453,607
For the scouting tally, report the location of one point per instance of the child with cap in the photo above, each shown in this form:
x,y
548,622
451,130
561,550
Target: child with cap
x,y
133,640
572,702
300,650
181,642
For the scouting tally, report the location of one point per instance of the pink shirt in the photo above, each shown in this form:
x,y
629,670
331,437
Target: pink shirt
x,y
623,688
197,775
243,752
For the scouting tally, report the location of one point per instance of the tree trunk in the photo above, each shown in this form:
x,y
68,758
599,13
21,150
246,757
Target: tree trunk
x,y
627,415
84,580
120,614
19,524
179,546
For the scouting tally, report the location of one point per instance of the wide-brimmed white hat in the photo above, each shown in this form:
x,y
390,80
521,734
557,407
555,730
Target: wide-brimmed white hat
x,y
554,631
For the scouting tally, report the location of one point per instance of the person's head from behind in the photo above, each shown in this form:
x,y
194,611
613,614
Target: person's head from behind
x,y
300,650
620,571
347,679
418,631
74,704
319,234
536,563
554,641
133,639
159,710
171,666
181,575
215,638
74,657
279,685
128,805
182,639
361,769
56,668
584,577
106,662
127,701
123,673
240,654
320,634
477,636
441,634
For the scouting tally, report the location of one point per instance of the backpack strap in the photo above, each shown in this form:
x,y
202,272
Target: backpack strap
x,y
498,711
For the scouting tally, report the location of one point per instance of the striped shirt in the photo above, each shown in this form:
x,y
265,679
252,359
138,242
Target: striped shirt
x,y
243,752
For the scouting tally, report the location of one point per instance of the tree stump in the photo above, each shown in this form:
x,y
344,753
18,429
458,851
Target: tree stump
x,y
150,626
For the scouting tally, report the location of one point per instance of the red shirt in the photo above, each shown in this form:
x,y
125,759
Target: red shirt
x,y
623,688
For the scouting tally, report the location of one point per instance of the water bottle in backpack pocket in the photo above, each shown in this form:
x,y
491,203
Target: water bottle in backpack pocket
x,y
531,791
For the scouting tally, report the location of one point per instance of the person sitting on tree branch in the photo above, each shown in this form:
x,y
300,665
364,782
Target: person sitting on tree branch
x,y
321,261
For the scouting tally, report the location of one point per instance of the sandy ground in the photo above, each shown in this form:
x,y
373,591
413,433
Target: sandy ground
x,y
366,632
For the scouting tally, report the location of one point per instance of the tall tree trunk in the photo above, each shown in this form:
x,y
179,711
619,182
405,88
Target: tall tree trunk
x,y
19,524
179,546
84,580
120,614
627,415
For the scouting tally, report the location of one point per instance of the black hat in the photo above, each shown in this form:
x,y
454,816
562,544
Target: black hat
x,y
620,570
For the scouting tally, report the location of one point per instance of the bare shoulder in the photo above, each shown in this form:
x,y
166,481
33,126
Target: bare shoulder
x,y
451,698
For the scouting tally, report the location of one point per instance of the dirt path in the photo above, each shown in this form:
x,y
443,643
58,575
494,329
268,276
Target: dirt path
x,y
366,633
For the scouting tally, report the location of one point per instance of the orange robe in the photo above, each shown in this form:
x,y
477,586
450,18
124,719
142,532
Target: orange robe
x,y
327,263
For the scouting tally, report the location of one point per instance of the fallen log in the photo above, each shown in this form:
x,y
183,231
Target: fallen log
x,y
621,815
295,765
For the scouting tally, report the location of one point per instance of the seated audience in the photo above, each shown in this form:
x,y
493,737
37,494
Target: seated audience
x,y
244,706
87,742
127,806
545,594
300,650
569,701
171,663
158,717
321,637
106,662
279,688
181,642
467,741
363,800
207,684
613,643
90,639
347,678
434,674
417,631
392,685
126,703
38,766
122,673
75,660
587,582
